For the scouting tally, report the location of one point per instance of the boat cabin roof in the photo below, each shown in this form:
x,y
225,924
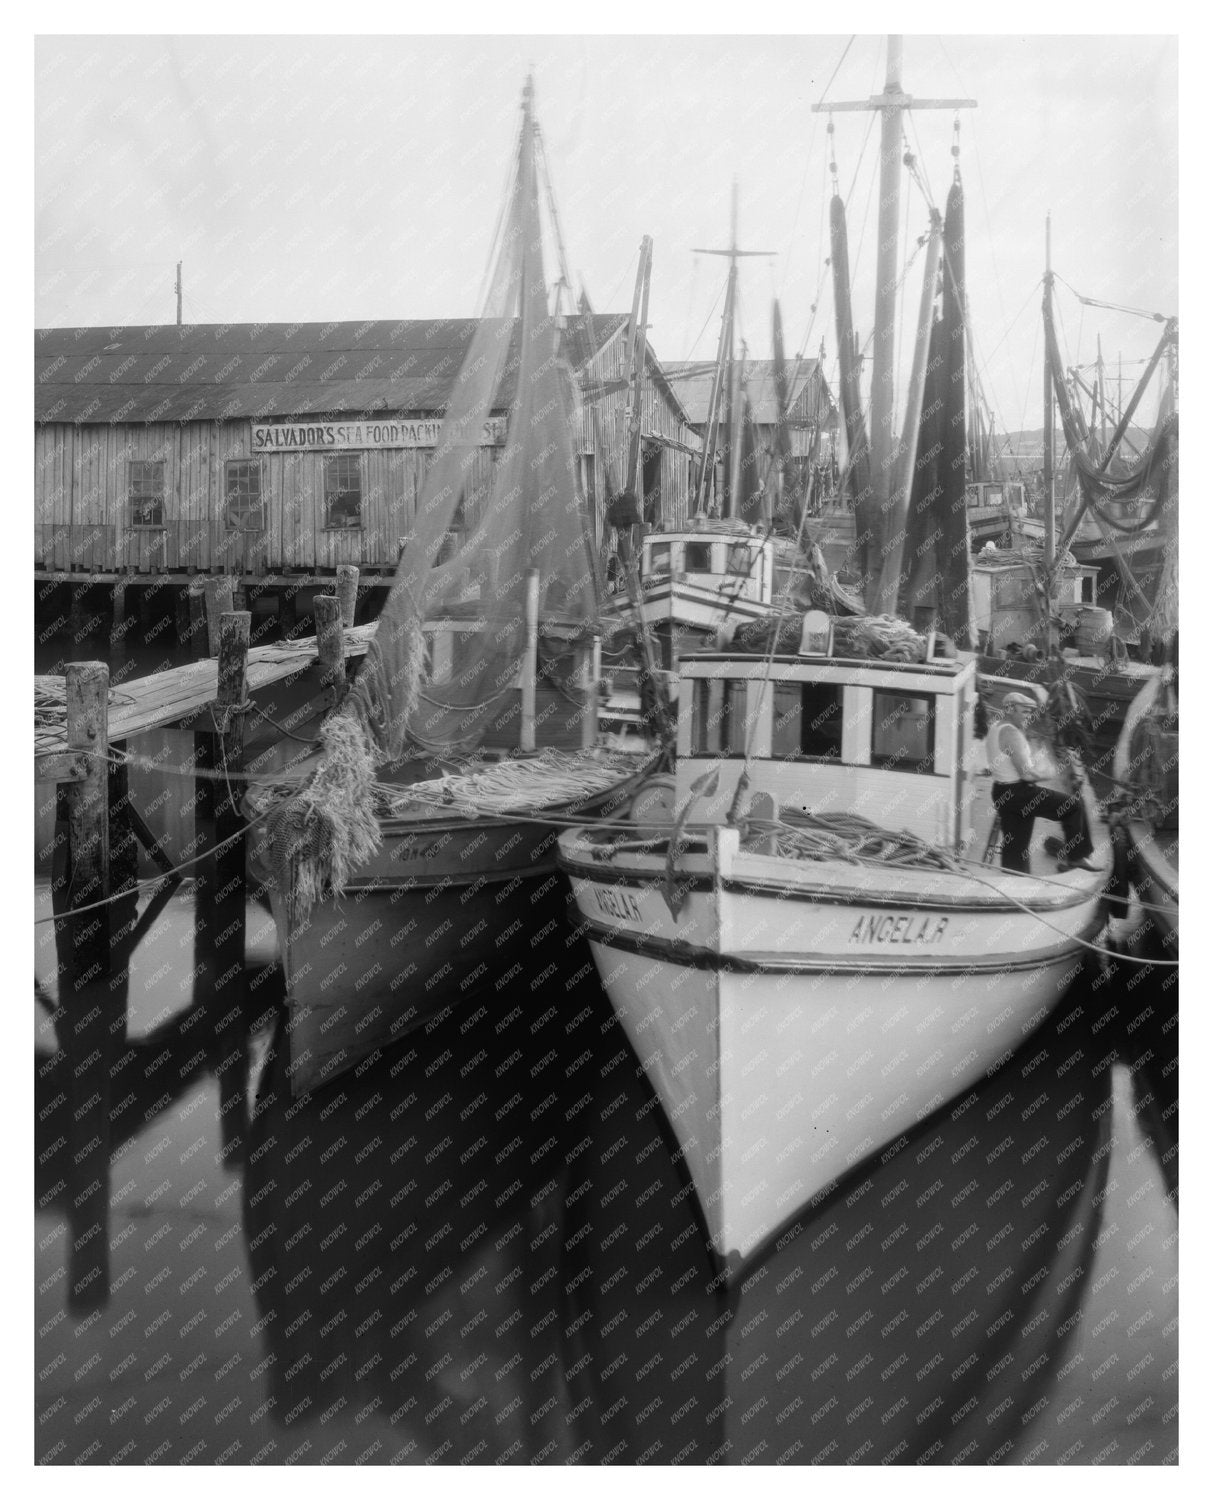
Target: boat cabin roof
x,y
944,675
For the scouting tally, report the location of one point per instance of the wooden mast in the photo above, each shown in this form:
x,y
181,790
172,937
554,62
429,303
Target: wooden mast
x,y
724,367
892,103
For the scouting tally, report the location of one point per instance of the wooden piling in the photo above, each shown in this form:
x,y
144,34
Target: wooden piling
x,y
198,638
88,684
288,613
221,939
124,847
218,603
330,643
76,623
347,592
118,623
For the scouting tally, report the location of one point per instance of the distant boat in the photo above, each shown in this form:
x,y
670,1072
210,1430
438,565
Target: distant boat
x,y
1146,767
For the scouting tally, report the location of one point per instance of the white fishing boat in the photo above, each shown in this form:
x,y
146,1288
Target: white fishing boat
x,y
808,974
816,950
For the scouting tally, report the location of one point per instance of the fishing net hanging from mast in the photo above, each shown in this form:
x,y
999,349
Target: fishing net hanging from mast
x,y
483,524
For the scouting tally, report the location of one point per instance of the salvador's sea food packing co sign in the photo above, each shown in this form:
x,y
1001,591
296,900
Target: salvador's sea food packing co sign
x,y
395,432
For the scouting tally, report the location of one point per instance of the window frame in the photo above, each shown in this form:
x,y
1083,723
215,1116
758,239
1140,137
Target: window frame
x,y
253,465
143,464
342,458
839,691
923,767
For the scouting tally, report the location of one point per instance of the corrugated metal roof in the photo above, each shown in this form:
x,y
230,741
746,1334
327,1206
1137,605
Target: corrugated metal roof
x,y
692,383
197,372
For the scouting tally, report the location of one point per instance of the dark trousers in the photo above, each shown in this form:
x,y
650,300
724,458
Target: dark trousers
x,y
1018,805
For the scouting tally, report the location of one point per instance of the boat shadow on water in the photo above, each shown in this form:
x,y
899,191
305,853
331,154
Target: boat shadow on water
x,y
481,1247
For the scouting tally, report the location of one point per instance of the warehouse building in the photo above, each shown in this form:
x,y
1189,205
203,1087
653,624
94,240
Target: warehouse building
x,y
266,451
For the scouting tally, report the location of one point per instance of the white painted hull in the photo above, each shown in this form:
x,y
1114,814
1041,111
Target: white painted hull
x,y
789,1038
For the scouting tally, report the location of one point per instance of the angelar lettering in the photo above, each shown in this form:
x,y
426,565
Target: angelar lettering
x,y
903,929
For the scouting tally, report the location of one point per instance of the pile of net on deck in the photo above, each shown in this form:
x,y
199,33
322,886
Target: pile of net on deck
x,y
512,512
843,836
857,637
552,778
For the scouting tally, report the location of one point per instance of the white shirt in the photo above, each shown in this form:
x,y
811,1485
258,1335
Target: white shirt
x,y
1006,744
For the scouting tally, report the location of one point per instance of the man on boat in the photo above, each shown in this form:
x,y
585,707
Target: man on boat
x,y
1019,798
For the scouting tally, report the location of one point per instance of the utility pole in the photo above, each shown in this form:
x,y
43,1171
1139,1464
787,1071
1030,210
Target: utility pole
x,y
178,294
891,104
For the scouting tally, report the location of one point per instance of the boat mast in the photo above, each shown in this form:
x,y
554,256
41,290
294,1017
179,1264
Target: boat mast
x,y
892,105
722,376
637,346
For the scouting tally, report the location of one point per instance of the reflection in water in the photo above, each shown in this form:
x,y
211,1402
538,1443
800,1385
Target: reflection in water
x,y
479,1248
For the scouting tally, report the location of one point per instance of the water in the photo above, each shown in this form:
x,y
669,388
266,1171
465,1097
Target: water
x,y
479,1248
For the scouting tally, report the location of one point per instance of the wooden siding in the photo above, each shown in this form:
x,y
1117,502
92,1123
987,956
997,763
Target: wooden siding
x,y
604,432
82,513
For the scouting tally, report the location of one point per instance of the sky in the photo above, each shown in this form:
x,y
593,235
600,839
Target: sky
x,y
323,177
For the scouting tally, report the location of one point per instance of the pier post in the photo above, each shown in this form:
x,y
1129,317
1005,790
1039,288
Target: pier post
x,y
76,622
347,592
225,912
124,847
88,684
118,625
218,603
330,643
197,617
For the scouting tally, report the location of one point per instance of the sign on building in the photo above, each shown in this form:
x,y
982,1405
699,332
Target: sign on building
x,y
394,432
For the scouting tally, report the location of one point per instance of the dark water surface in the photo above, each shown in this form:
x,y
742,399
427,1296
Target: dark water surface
x,y
480,1249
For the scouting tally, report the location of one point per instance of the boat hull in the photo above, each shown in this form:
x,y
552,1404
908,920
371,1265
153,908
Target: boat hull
x,y
444,914
791,1033
397,951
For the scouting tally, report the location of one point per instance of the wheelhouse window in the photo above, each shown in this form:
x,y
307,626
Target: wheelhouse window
x,y
718,721
741,560
146,493
698,557
807,721
659,557
242,489
343,491
903,731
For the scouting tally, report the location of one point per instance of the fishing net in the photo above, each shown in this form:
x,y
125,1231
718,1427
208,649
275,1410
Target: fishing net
x,y
482,528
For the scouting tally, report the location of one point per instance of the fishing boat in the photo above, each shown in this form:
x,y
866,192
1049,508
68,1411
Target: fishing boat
x,y
813,951
1146,768
814,956
406,861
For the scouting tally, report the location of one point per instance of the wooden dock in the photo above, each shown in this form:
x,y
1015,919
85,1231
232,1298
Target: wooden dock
x,y
82,727
180,695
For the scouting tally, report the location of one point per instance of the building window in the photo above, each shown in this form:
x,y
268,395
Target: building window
x,y
903,732
146,493
242,488
807,721
343,491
